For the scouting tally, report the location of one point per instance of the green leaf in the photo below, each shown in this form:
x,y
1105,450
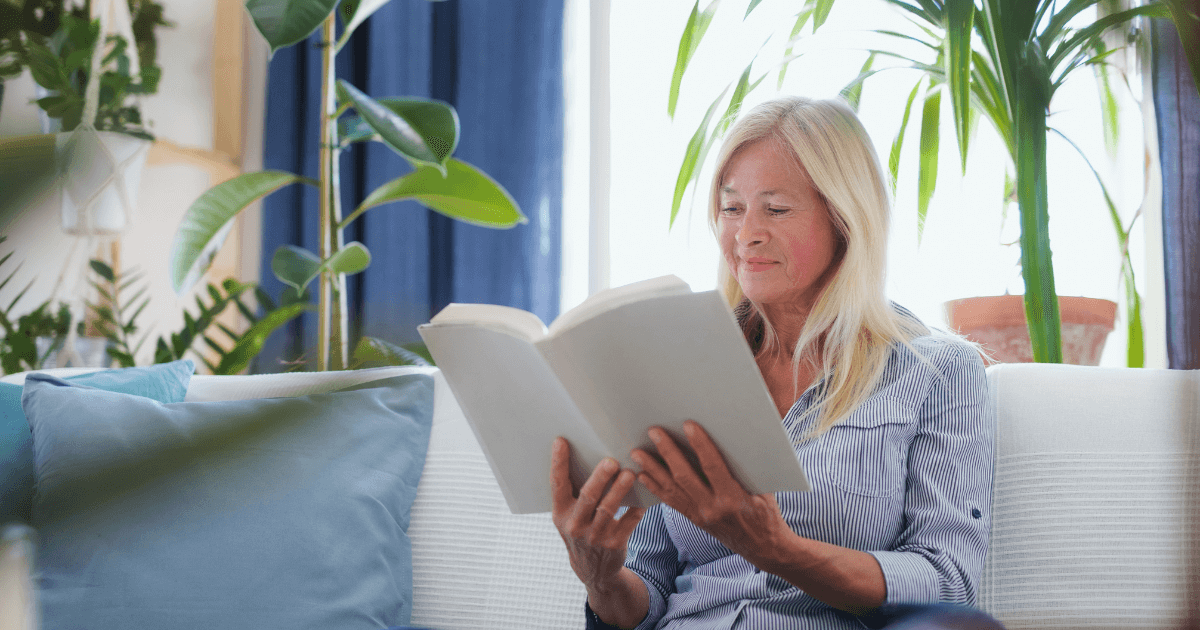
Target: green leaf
x,y
1086,34
295,266
821,12
751,7
898,142
1187,24
252,341
286,22
1135,355
465,193
204,225
927,174
960,16
691,158
423,130
355,12
102,269
350,259
693,32
853,90
801,19
735,101
378,351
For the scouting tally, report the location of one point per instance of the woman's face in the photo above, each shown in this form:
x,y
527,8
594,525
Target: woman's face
x,y
774,230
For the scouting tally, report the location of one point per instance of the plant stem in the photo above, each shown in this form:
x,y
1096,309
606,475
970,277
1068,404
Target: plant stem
x,y
331,325
1041,300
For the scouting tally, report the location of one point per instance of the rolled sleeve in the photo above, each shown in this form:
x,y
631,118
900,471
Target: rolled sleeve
x,y
654,558
948,500
908,576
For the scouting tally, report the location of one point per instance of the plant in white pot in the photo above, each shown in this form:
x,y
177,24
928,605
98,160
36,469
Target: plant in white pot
x,y
91,76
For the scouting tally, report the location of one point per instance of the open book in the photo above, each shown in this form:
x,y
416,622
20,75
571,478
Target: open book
x,y
626,359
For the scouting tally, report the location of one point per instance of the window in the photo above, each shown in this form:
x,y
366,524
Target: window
x,y
966,248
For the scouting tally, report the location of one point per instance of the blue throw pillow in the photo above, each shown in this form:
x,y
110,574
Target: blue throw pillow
x,y
269,513
167,382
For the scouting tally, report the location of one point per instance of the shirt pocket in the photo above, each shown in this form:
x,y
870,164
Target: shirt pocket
x,y
869,449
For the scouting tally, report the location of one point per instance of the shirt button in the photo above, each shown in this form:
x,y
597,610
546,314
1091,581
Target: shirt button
x,y
976,513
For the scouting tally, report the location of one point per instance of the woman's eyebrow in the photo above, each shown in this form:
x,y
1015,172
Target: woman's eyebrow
x,y
728,190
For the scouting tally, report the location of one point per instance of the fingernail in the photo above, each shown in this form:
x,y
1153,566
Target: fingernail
x,y
608,464
655,436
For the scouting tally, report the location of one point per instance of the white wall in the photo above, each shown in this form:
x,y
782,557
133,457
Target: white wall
x,y
181,112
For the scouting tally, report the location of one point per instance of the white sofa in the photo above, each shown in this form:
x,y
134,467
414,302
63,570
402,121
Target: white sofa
x,y
1089,525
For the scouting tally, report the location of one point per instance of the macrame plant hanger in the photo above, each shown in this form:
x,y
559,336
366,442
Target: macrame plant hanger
x,y
89,173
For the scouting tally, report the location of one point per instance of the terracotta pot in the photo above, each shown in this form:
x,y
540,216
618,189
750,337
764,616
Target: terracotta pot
x,y
998,324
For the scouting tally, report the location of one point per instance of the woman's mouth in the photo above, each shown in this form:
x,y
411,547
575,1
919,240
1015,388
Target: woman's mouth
x,y
758,264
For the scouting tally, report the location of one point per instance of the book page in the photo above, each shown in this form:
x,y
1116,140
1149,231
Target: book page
x,y
610,299
507,319
668,359
516,406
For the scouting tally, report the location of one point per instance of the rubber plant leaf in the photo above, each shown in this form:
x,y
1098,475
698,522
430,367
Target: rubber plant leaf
x,y
286,22
423,131
296,266
355,12
465,193
209,218
693,32
434,121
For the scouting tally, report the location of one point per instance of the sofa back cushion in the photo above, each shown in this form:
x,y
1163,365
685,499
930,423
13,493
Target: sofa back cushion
x,y
250,513
166,383
476,566
1092,475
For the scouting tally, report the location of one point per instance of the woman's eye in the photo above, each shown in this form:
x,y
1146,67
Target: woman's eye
x,y
730,210
777,210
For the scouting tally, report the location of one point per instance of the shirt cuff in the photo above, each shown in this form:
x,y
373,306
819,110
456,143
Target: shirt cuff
x,y
658,608
909,578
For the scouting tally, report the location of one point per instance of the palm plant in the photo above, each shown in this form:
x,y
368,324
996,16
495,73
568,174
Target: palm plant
x,y
423,131
1004,59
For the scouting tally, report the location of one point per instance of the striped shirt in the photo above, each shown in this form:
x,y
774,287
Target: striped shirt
x,y
907,478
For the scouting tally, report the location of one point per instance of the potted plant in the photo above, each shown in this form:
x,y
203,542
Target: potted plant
x,y
1003,60
89,74
423,131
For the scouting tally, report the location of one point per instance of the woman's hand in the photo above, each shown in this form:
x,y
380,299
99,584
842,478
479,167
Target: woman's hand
x,y
749,525
596,541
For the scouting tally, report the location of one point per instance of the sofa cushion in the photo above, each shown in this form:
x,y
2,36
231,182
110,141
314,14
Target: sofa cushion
x,y
167,383
258,513
477,566
1090,518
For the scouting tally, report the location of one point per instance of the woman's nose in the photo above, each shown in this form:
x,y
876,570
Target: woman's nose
x,y
752,231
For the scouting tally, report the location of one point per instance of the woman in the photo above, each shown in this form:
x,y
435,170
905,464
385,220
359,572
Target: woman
x,y
889,420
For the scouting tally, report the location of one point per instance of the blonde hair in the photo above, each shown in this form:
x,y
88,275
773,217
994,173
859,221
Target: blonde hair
x,y
850,332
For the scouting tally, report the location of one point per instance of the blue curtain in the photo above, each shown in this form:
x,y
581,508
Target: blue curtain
x,y
1177,109
500,65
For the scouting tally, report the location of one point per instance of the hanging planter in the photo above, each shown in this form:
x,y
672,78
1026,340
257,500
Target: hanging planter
x,y
99,181
998,323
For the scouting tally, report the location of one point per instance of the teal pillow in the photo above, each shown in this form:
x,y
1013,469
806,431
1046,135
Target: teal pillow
x,y
249,514
167,383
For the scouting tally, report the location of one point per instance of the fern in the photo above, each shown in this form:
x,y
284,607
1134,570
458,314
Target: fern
x,y
113,319
234,350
